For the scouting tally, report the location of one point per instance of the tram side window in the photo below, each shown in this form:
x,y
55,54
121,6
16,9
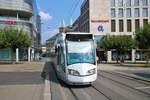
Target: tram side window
x,y
62,61
61,58
58,55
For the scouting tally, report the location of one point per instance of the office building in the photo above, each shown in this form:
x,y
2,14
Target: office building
x,y
22,15
112,17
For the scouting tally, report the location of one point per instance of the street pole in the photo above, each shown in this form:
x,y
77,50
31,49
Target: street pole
x,y
29,49
17,55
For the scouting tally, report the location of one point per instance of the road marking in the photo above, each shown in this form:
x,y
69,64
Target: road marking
x,y
47,91
148,87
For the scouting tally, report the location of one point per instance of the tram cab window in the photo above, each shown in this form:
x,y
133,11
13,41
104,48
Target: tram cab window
x,y
61,58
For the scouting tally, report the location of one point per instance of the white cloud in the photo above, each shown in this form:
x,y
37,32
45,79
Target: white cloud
x,y
49,34
45,16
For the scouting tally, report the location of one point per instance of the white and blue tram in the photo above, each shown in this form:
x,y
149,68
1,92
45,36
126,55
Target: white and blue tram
x,y
76,58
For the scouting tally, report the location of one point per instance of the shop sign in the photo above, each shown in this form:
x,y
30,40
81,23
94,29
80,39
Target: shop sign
x,y
99,21
100,28
10,22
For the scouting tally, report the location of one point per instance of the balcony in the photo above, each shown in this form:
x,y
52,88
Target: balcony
x,y
16,5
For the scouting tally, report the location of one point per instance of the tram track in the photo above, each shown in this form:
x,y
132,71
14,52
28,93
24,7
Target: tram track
x,y
64,87
129,77
106,91
101,92
123,83
105,88
79,92
83,92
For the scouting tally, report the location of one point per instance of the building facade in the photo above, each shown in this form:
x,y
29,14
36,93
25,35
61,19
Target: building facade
x,y
112,17
22,15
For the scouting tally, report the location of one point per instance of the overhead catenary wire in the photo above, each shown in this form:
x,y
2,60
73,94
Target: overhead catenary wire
x,y
73,8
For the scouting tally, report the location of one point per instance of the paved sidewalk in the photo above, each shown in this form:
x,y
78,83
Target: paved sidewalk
x,y
119,67
21,81
137,72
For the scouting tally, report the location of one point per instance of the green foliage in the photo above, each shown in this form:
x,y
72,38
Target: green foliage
x,y
143,37
1,39
120,43
143,40
12,38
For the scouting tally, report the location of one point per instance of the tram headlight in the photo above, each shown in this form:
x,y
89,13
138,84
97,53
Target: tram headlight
x,y
73,72
91,72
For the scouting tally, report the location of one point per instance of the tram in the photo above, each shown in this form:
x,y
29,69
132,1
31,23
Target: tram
x,y
76,58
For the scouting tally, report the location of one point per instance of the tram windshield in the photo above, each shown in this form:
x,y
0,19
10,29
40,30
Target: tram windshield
x,y
80,52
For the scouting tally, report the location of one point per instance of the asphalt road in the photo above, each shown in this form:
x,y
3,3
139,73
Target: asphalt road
x,y
26,82
109,86
21,81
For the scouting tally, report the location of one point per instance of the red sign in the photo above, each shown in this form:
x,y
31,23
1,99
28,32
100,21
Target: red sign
x,y
99,21
10,22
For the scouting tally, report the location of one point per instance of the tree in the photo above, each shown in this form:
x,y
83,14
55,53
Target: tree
x,y
13,38
119,43
142,38
1,39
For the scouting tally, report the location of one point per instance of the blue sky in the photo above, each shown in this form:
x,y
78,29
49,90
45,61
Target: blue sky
x,y
54,11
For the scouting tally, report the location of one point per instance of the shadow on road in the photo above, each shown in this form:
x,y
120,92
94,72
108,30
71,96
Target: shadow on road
x,y
49,70
145,75
25,78
20,78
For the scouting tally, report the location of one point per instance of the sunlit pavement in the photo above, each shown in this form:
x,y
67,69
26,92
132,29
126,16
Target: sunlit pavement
x,y
38,81
108,86
139,72
21,81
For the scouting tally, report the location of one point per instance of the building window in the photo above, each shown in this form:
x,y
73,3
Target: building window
x,y
145,12
113,26
120,25
145,3
128,12
136,3
145,22
136,12
137,24
120,3
129,26
112,3
113,12
128,3
120,13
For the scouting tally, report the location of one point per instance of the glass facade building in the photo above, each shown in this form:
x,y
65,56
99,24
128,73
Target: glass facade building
x,y
20,14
